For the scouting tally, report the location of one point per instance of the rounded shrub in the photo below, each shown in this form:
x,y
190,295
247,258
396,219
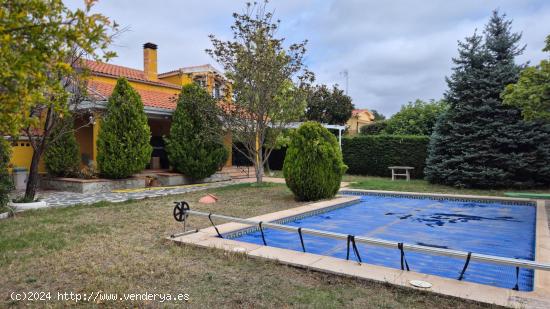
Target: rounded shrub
x,y
62,156
6,184
313,166
195,146
123,142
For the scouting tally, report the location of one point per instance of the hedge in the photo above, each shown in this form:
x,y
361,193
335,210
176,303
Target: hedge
x,y
372,154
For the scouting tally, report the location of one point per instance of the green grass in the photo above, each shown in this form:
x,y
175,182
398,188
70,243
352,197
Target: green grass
x,y
122,248
415,185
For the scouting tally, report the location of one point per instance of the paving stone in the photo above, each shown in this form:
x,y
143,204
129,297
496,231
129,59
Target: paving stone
x,y
61,198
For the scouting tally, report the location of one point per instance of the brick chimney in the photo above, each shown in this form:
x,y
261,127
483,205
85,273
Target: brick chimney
x,y
150,61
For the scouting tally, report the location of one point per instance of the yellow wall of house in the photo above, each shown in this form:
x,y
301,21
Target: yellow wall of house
x,y
21,156
83,135
186,79
174,79
179,79
95,134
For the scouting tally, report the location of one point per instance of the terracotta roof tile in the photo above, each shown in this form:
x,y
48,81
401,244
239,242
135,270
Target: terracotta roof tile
x,y
150,98
358,111
113,70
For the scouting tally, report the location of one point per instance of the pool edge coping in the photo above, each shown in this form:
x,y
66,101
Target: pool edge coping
x,y
486,198
539,297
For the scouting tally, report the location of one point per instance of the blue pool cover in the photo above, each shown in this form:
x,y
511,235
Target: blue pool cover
x,y
478,227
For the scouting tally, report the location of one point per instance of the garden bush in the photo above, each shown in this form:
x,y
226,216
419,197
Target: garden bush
x,y
195,146
416,118
372,154
62,156
313,165
6,184
374,128
123,142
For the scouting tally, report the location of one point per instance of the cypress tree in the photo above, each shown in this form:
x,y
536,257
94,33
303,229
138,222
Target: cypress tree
x,y
313,164
479,142
62,156
123,142
195,146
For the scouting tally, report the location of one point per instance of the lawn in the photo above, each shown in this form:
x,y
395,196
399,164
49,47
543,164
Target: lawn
x,y
415,185
121,248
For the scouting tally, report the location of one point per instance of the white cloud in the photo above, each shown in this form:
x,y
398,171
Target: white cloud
x,y
395,51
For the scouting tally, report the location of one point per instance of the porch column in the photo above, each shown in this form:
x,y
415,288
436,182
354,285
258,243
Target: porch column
x,y
95,134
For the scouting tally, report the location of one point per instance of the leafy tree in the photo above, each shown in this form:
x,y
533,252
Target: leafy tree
x,y
6,184
269,83
62,157
123,142
313,165
36,41
326,106
532,91
195,146
415,118
479,142
377,115
41,43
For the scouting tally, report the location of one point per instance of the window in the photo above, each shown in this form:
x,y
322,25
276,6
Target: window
x,y
216,91
201,82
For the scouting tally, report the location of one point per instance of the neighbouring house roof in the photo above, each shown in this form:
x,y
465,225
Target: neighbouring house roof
x,y
116,71
356,112
360,113
157,99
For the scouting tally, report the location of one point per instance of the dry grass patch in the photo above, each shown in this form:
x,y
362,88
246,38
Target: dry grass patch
x,y
121,248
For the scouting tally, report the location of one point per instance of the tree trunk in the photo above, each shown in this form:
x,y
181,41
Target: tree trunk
x,y
259,172
258,166
32,181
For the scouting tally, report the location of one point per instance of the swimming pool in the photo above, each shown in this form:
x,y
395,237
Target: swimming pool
x,y
494,228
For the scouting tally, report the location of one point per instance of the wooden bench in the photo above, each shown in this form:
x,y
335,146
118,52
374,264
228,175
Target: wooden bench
x,y
407,170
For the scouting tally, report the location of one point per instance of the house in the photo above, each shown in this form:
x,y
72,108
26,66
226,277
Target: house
x,y
158,93
359,118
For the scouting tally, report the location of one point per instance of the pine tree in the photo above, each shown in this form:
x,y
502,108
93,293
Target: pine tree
x,y
62,157
195,146
123,142
479,142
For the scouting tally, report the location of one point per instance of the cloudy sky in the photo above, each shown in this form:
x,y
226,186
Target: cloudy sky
x,y
395,51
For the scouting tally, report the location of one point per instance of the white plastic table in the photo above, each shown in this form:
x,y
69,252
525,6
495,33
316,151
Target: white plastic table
x,y
406,169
